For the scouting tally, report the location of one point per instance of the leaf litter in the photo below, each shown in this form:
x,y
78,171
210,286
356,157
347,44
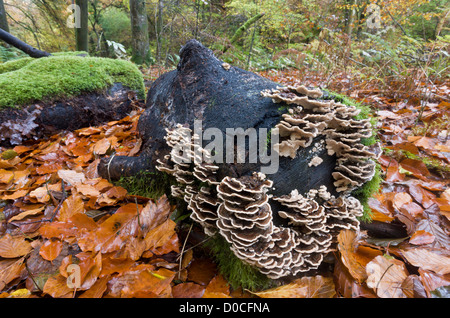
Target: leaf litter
x,y
55,211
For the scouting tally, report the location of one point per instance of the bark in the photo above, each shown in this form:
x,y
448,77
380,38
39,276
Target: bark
x,y
82,33
3,19
12,40
139,30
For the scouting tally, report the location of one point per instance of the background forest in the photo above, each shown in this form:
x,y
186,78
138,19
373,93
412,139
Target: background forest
x,y
325,36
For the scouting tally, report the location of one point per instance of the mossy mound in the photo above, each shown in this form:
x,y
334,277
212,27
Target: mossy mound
x,y
27,80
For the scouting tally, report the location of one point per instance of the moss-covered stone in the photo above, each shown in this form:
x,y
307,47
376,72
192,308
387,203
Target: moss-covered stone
x,y
27,80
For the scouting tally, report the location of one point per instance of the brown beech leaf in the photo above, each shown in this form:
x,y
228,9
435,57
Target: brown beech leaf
x,y
72,205
431,280
428,259
188,290
9,270
385,276
51,249
57,287
416,167
305,287
71,177
142,281
421,237
218,287
12,247
347,286
355,258
401,199
98,289
113,233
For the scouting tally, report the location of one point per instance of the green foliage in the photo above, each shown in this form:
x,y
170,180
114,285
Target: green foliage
x,y
116,25
27,80
237,273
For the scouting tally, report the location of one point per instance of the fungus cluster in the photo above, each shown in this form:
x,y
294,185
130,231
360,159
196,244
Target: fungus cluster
x,y
280,235
310,118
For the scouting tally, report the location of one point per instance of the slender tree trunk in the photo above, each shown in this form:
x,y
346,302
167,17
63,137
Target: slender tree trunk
x,y
439,26
139,30
3,20
159,27
81,33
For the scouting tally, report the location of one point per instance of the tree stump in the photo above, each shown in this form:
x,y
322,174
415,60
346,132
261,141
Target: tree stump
x,y
281,221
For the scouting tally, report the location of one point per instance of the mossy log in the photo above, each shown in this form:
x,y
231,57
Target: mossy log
x,y
65,91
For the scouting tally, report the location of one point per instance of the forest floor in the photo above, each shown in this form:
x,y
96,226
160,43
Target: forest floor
x,y
55,211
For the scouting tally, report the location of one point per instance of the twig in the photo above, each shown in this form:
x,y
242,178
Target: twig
x,y
182,250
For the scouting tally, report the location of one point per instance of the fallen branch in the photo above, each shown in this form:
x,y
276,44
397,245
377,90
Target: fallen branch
x,y
12,40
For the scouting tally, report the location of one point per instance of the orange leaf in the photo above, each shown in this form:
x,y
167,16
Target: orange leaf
x,y
12,247
355,258
428,259
421,237
57,287
102,146
72,205
51,249
188,290
305,287
218,287
6,176
386,276
9,270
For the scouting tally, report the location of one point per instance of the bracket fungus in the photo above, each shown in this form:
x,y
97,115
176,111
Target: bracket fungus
x,y
281,223
242,209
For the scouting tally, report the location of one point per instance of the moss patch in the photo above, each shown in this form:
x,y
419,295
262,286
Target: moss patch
x,y
237,273
27,80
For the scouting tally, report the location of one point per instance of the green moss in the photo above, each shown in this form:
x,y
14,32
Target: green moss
x,y
364,193
146,184
236,272
63,75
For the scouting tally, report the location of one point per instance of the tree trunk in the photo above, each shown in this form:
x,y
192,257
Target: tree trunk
x,y
3,19
12,40
139,30
82,32
440,25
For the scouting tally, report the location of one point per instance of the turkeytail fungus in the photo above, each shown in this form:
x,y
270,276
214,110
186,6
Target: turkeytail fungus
x,y
283,223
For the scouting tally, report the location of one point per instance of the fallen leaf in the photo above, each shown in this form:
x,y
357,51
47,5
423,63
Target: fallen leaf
x,y
401,199
421,237
305,287
12,247
6,176
385,276
71,177
428,259
188,290
354,257
9,270
218,287
51,249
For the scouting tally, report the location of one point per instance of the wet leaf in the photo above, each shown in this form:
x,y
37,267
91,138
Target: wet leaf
x,y
386,276
12,247
305,287
51,249
428,259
